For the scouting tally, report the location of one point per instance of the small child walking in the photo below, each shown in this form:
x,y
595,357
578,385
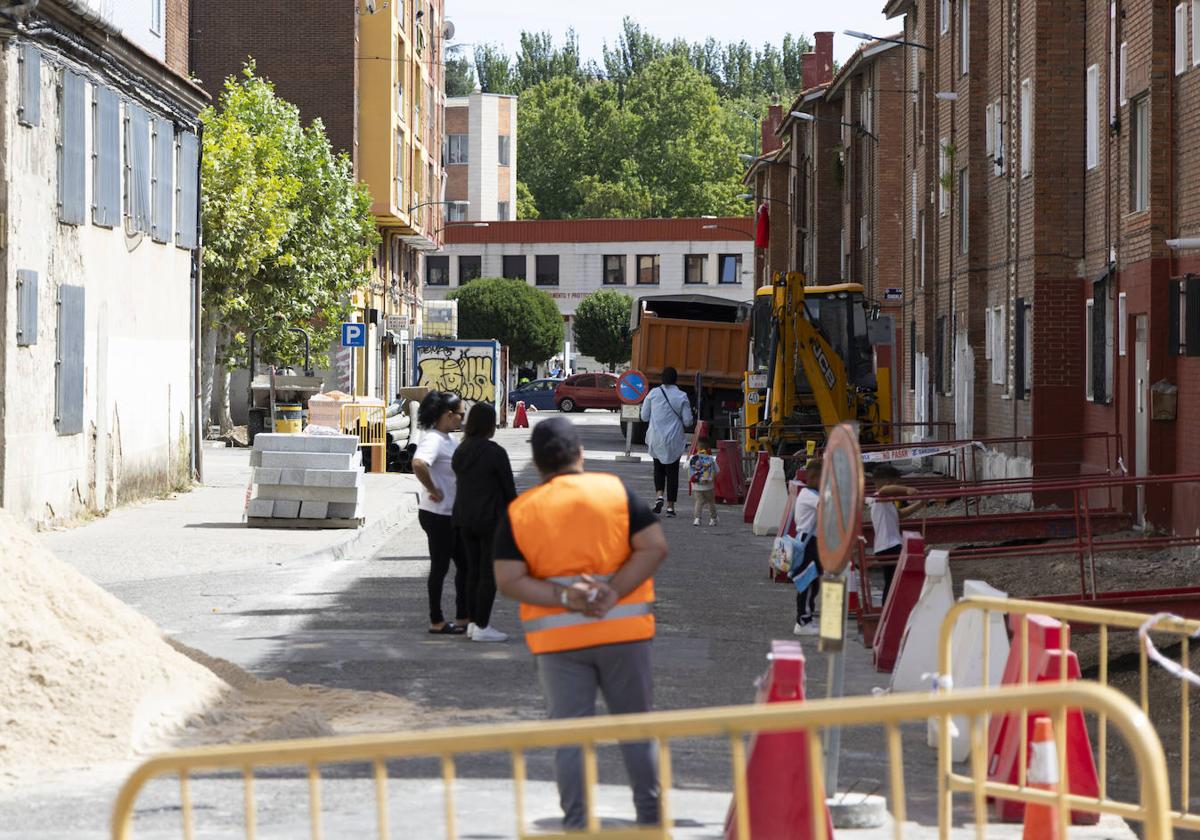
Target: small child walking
x,y
702,469
805,572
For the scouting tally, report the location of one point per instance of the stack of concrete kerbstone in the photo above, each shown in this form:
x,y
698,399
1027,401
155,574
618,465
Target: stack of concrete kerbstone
x,y
307,477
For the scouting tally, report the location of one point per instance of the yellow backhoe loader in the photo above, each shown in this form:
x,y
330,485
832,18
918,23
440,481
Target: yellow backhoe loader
x,y
812,367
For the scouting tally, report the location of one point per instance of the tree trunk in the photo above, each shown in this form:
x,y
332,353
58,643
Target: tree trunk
x,y
221,379
208,361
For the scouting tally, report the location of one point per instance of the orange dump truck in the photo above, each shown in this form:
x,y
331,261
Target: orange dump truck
x,y
706,339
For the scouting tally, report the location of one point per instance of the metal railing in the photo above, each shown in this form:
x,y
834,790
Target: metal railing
x,y
369,422
1086,619
735,724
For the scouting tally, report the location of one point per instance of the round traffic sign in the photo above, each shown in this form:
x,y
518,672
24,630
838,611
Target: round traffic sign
x,y
839,510
632,387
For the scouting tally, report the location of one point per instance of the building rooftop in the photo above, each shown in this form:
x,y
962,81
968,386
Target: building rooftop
x,y
697,229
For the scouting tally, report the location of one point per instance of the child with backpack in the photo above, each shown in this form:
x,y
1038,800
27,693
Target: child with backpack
x,y
702,470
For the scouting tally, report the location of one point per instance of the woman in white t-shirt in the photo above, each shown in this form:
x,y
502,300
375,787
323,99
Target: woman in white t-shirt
x,y
440,414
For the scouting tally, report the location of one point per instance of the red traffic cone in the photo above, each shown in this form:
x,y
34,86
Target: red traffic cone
x,y
1041,821
520,419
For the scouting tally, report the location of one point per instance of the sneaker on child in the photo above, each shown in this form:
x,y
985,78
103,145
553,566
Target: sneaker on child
x,y
808,628
488,634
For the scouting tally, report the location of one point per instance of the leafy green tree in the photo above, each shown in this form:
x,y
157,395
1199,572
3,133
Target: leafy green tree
x,y
539,60
627,198
526,207
494,70
288,232
602,327
552,145
460,77
520,317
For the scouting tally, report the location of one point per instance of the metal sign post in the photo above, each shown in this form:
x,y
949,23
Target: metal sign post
x,y
632,387
354,336
839,523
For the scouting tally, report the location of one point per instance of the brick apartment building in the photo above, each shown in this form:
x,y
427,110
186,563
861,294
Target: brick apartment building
x,y
481,158
1050,232
374,75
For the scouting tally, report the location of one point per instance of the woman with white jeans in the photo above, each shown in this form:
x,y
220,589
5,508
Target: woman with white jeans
x,y
668,411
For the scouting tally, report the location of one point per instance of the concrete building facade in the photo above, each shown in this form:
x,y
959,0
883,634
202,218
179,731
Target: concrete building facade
x,y
481,158
569,260
99,280
374,74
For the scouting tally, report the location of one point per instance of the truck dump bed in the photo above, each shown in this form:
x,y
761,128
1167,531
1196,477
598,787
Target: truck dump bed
x,y
716,350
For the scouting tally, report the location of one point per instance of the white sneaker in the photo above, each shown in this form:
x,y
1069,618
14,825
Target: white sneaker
x,y
489,634
696,521
809,629
712,523
471,628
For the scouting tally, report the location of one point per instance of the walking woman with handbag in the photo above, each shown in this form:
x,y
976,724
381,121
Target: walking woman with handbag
x,y
667,410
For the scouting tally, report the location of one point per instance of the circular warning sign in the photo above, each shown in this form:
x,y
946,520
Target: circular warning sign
x,y
839,510
632,387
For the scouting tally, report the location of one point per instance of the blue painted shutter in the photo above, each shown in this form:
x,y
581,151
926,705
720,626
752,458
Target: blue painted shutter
x,y
106,155
137,168
164,170
68,407
188,173
27,307
29,107
72,151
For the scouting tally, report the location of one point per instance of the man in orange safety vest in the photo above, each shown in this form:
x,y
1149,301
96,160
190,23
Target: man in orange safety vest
x,y
578,552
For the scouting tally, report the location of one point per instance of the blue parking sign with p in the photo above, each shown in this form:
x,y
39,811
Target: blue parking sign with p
x,y
354,335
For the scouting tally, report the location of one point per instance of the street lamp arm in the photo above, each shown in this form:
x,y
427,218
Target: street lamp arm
x,y
744,233
427,204
749,197
863,36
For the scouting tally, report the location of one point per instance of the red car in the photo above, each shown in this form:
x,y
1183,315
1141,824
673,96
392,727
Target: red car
x,y
587,390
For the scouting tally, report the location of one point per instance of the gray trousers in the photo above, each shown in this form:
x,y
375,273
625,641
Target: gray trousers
x,y
569,682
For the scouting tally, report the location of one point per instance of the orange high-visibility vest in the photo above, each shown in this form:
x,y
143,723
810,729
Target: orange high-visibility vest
x,y
572,525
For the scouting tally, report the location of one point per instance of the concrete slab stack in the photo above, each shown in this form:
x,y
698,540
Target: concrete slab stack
x,y
307,481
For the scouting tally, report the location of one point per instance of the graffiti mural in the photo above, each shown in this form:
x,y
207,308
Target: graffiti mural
x,y
468,369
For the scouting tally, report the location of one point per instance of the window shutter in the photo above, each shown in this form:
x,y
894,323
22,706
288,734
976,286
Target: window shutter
x,y
188,172
27,307
1099,343
164,152
68,408
1192,316
72,169
1019,348
106,151
137,155
29,107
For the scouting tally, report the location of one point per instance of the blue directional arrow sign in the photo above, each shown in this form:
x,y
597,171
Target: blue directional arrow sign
x,y
632,387
354,335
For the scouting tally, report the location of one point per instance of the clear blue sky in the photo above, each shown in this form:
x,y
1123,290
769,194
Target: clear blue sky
x,y
596,22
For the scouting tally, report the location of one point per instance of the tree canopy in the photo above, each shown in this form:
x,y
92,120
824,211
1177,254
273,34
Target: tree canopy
x,y
288,232
654,129
602,327
523,318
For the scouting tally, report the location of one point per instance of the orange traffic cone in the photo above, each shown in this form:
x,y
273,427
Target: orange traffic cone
x,y
1041,821
520,420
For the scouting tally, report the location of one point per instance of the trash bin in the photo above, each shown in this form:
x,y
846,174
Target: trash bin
x,y
289,419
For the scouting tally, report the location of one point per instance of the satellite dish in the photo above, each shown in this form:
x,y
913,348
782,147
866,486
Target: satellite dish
x,y
448,31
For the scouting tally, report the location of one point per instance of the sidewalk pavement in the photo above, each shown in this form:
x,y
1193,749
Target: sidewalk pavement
x,y
202,530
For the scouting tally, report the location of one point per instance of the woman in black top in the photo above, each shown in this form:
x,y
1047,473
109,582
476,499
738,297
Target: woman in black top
x,y
485,487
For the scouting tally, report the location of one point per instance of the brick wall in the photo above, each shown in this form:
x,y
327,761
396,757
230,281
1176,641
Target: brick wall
x,y
177,25
306,49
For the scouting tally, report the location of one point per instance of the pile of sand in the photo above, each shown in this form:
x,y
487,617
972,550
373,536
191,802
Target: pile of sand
x,y
84,678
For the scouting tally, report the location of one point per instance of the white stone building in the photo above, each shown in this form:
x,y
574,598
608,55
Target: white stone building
x,y
99,289
571,259
481,158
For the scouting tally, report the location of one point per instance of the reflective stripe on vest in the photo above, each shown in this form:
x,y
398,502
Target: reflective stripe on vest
x,y
571,619
570,526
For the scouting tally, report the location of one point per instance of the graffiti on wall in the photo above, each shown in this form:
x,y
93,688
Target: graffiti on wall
x,y
466,370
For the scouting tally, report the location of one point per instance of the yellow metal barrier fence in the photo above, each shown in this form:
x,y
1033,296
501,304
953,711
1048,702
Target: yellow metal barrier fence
x,y
735,723
1090,619
369,423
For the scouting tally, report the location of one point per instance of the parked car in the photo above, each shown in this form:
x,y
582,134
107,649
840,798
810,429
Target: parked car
x,y
539,393
587,390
